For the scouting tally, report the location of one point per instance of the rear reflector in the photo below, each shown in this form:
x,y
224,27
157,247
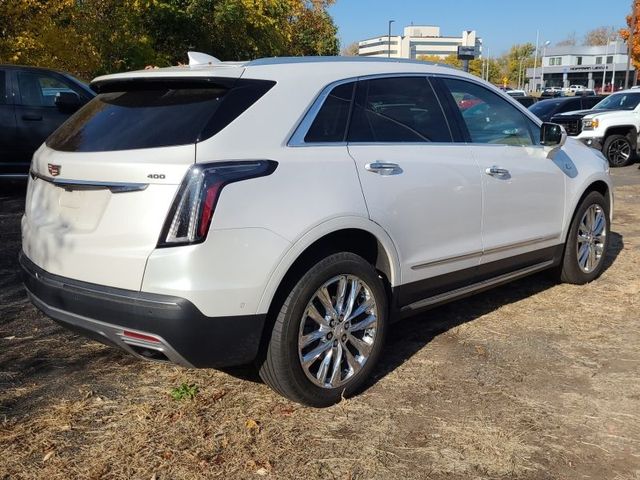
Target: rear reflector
x,y
140,336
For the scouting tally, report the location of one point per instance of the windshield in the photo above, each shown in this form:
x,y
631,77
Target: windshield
x,y
619,101
543,108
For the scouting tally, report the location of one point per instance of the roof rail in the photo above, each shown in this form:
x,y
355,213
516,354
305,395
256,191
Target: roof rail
x,y
197,58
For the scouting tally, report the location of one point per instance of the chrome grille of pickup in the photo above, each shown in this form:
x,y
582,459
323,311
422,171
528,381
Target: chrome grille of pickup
x,y
573,127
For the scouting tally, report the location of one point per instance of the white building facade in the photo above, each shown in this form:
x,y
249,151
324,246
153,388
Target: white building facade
x,y
582,65
419,40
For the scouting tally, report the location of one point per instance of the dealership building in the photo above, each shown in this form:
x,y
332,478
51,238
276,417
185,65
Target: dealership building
x,y
418,40
582,65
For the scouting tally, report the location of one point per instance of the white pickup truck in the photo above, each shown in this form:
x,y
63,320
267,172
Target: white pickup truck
x,y
611,126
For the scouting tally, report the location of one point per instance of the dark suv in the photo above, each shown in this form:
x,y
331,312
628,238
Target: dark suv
x,y
545,109
33,103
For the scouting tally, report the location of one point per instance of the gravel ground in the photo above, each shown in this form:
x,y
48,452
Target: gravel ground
x,y
533,380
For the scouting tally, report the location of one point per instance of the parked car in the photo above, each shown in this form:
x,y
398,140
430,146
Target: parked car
x,y
177,217
552,92
611,126
585,92
33,103
546,109
573,88
516,93
526,101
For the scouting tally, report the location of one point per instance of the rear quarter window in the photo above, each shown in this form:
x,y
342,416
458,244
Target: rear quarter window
x,y
150,115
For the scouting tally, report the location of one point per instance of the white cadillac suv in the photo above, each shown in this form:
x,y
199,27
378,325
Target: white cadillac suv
x,y
285,211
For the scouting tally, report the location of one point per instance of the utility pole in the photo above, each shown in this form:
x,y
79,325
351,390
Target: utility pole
x,y
632,31
389,38
535,61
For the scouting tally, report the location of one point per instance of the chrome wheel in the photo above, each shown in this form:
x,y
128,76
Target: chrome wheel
x,y
592,233
337,331
619,152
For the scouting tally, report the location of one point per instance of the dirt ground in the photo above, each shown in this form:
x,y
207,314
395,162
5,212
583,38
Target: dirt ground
x,y
529,381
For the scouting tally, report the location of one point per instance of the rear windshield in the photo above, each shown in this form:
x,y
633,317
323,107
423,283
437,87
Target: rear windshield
x,y
545,107
155,115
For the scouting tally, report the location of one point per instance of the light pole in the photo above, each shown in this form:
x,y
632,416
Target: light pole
x,y
544,54
535,60
520,72
630,45
604,72
613,75
389,38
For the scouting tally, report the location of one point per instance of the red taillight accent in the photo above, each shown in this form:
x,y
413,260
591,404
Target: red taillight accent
x,y
140,336
208,206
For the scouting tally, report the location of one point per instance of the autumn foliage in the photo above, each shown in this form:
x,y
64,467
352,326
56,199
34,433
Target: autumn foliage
x,y
625,33
91,37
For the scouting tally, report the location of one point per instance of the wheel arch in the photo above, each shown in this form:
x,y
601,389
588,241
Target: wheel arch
x,y
624,130
354,234
596,185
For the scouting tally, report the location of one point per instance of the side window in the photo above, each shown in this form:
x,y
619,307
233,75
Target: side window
x,y
39,90
3,87
402,109
490,119
331,122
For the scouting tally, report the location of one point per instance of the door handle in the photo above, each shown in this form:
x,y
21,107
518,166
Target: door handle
x,y
495,171
32,117
383,168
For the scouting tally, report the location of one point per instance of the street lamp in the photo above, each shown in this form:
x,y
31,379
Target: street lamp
x,y
389,38
604,72
613,75
544,54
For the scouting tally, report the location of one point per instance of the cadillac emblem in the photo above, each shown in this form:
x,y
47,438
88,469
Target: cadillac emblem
x,y
54,170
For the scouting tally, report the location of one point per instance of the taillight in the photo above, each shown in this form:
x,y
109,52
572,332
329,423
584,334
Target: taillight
x,y
193,208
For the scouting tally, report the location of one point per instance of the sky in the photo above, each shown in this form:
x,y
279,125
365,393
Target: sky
x,y
499,23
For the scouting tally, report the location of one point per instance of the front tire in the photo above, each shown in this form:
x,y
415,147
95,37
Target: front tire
x,y
329,332
587,241
618,150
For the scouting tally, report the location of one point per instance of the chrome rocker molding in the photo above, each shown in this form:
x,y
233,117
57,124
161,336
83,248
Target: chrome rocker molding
x,y
501,248
69,185
476,287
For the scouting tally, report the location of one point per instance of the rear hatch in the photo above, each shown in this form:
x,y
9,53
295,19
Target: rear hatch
x,y
102,184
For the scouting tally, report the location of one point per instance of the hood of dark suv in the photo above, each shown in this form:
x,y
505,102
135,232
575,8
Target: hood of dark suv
x,y
577,115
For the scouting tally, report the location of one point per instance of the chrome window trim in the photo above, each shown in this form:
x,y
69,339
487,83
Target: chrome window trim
x,y
115,187
297,138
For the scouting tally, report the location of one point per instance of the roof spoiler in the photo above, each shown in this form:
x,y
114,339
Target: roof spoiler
x,y
197,58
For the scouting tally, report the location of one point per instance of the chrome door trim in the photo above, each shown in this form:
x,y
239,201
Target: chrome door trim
x,y
479,253
463,291
70,185
525,243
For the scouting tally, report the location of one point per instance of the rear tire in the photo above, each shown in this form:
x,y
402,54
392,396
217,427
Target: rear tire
x,y
587,241
320,314
618,151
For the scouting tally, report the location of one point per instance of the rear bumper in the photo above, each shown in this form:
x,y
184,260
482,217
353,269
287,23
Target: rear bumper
x,y
147,325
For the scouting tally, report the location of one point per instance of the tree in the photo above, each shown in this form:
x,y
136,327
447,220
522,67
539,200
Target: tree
x,y
625,34
90,37
600,36
351,50
570,41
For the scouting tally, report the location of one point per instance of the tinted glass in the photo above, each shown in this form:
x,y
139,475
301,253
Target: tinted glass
x,y
620,101
570,105
545,107
40,90
401,109
3,88
492,119
590,102
148,116
331,122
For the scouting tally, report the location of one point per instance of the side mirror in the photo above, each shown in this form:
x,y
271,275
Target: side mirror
x,y
68,101
553,135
